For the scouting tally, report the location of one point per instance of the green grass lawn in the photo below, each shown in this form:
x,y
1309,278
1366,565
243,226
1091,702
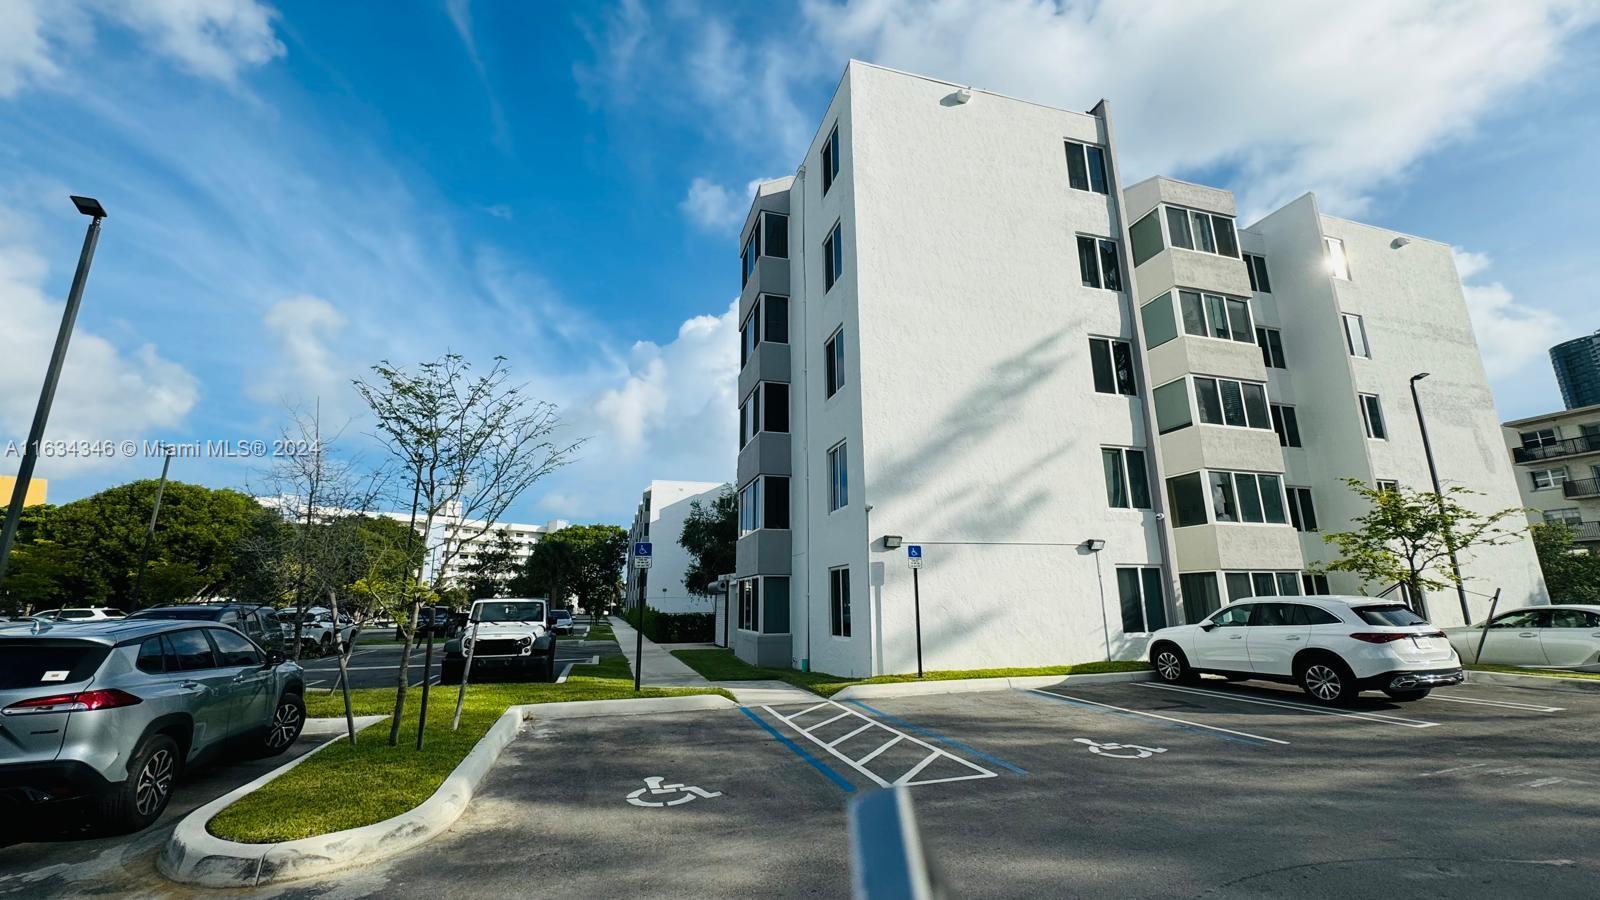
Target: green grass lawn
x,y
347,787
722,665
600,632
1547,673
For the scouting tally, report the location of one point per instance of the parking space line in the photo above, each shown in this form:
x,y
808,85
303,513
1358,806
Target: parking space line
x,y
1227,734
909,726
842,715
839,780
1370,717
1506,704
898,737
836,742
865,759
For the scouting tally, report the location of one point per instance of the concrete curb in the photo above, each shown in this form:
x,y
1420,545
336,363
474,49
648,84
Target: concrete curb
x,y
1554,682
194,855
973,685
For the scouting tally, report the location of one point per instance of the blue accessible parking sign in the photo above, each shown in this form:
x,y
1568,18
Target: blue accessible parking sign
x,y
914,555
641,548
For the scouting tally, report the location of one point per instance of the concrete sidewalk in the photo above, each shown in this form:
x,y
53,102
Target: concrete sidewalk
x,y
661,668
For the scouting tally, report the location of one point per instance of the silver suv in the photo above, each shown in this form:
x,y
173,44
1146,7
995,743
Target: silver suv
x,y
111,712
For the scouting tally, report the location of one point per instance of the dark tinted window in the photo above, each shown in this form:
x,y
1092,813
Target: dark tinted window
x,y
1573,618
192,649
1389,615
27,664
234,650
1275,615
196,614
151,656
1315,616
1524,618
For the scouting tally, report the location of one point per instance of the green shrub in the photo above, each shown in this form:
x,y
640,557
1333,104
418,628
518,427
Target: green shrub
x,y
679,628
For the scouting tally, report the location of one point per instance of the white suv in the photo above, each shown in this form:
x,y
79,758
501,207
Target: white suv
x,y
1333,647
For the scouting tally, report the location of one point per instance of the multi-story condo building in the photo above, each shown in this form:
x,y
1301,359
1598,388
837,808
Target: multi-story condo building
x,y
659,521
1557,457
1577,365
1098,408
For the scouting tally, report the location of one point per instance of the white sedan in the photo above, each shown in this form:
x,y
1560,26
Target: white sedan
x,y
1539,637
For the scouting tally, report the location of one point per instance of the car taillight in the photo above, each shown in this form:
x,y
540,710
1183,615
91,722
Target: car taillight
x,y
82,701
1379,637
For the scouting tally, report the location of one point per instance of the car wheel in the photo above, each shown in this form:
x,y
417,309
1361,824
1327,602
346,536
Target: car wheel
x,y
1408,696
140,800
1170,664
325,646
1328,681
450,671
288,719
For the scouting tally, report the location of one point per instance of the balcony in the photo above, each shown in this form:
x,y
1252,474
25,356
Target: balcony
x,y
1586,532
1582,487
1588,443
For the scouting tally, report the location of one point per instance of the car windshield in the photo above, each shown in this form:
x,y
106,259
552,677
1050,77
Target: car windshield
x,y
199,615
528,611
27,663
1389,615
562,614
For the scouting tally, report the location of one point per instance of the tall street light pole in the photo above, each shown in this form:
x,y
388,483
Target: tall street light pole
x,y
1433,473
150,534
30,452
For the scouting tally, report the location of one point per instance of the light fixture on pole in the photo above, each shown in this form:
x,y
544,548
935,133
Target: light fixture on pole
x,y
1094,546
1433,475
52,376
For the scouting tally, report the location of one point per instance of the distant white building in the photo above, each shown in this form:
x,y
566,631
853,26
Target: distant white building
x,y
662,510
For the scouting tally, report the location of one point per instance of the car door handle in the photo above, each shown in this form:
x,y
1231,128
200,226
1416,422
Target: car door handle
x,y
1528,634
1236,637
1292,637
191,686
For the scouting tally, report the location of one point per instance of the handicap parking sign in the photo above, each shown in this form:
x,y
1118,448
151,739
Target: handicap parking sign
x,y
641,548
914,555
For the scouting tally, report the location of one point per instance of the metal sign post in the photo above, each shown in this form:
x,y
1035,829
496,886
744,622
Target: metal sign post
x,y
914,560
641,560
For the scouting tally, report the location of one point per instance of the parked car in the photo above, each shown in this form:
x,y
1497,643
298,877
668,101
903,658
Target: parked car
x,y
110,714
560,621
1333,647
319,633
81,613
1565,636
258,621
439,621
503,636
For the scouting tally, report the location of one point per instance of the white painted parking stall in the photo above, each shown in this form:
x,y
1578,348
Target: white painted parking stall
x,y
885,755
1381,718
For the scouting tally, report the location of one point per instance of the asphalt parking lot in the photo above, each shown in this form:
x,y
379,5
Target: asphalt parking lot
x,y
1128,790
376,661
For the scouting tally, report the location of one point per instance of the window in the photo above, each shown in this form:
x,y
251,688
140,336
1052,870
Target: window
x,y
1144,607
1385,485
1159,326
1086,168
1545,479
1244,585
750,417
152,656
1127,480
775,606
1206,232
747,257
1338,263
1146,237
1253,498
1098,263
1172,406
768,321
1257,267
1567,516
833,361
776,418
749,604
1396,616
1213,315
1223,401
1271,342
1200,597
776,319
1186,497
1573,618
192,649
1355,336
1372,417
1112,361
233,650
775,235
1314,584
830,160
1544,437
750,507
1286,424
838,477
775,508
839,606
832,258
1302,514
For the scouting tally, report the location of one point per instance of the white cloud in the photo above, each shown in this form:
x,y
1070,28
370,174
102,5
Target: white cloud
x,y
306,368
105,394
42,40
678,397
1510,334
715,207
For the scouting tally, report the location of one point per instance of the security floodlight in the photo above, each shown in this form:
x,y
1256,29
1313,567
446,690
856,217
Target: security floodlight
x,y
891,541
1095,545
1399,242
89,206
1419,376
962,95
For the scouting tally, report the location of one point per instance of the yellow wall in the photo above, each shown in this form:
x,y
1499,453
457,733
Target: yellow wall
x,y
38,489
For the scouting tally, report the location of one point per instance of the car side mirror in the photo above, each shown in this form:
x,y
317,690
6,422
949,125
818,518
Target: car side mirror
x,y
1207,626
274,657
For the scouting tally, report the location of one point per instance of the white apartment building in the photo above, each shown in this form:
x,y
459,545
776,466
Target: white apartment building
x,y
659,521
1557,458
958,326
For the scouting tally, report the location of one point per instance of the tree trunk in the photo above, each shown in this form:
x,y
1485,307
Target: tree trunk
x,y
344,661
405,674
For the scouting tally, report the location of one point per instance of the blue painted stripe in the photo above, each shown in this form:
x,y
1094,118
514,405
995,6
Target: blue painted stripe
x,y
799,751
974,751
1149,721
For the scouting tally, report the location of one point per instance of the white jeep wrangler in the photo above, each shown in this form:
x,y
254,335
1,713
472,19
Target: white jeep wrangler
x,y
507,635
319,633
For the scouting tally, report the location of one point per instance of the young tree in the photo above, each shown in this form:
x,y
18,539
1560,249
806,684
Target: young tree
x,y
1407,536
467,447
1571,574
710,536
579,561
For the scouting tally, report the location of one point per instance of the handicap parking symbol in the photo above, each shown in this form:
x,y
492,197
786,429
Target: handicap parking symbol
x,y
1119,750
683,793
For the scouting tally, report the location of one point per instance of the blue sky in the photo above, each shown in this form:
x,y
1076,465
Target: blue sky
x,y
299,189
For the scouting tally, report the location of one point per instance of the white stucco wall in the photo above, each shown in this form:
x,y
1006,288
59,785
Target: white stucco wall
x,y
670,503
